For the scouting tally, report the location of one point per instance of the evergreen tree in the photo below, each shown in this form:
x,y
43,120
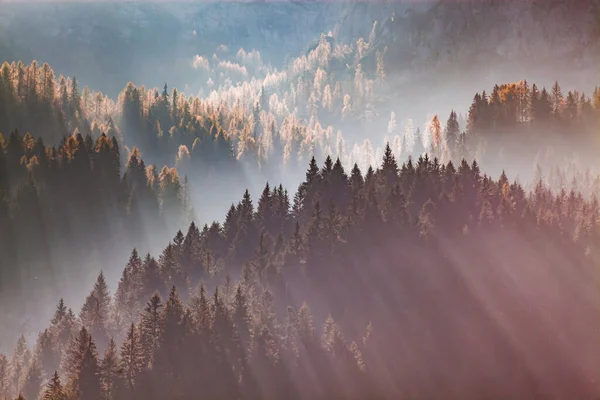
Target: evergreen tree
x,y
557,100
87,382
47,351
151,326
452,132
33,381
389,169
54,389
127,304
132,357
111,373
19,364
4,376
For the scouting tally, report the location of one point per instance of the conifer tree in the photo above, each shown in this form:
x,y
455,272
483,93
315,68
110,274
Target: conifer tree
x,y
132,358
151,328
47,351
169,355
452,132
4,376
87,382
33,380
389,169
557,100
19,364
151,279
75,352
170,267
241,316
54,389
95,317
111,373
127,297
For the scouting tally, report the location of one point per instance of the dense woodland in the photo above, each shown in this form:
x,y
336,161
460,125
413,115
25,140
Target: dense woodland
x,y
387,284
342,289
285,118
398,268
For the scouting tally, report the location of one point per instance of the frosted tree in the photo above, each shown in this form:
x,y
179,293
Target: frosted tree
x,y
369,91
327,100
287,152
347,108
367,156
319,82
361,49
378,156
321,54
392,124
340,146
300,88
246,144
359,82
397,147
373,34
380,66
273,103
409,136
266,139
337,92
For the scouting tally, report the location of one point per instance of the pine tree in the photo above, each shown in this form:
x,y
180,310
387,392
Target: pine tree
x,y
19,365
75,352
4,376
101,301
170,352
151,328
389,169
132,358
127,297
47,350
87,382
33,381
54,389
151,279
426,223
452,132
94,317
111,373
261,262
75,97
191,252
175,105
264,211
557,100
241,316
170,267
571,107
201,313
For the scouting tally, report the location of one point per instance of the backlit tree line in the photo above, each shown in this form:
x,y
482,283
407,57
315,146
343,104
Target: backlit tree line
x,y
61,205
393,282
263,124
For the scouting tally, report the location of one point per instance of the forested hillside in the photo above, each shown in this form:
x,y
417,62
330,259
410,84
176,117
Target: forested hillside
x,y
389,284
299,199
139,167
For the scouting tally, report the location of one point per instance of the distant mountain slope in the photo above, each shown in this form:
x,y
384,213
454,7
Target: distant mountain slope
x,y
108,44
486,31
